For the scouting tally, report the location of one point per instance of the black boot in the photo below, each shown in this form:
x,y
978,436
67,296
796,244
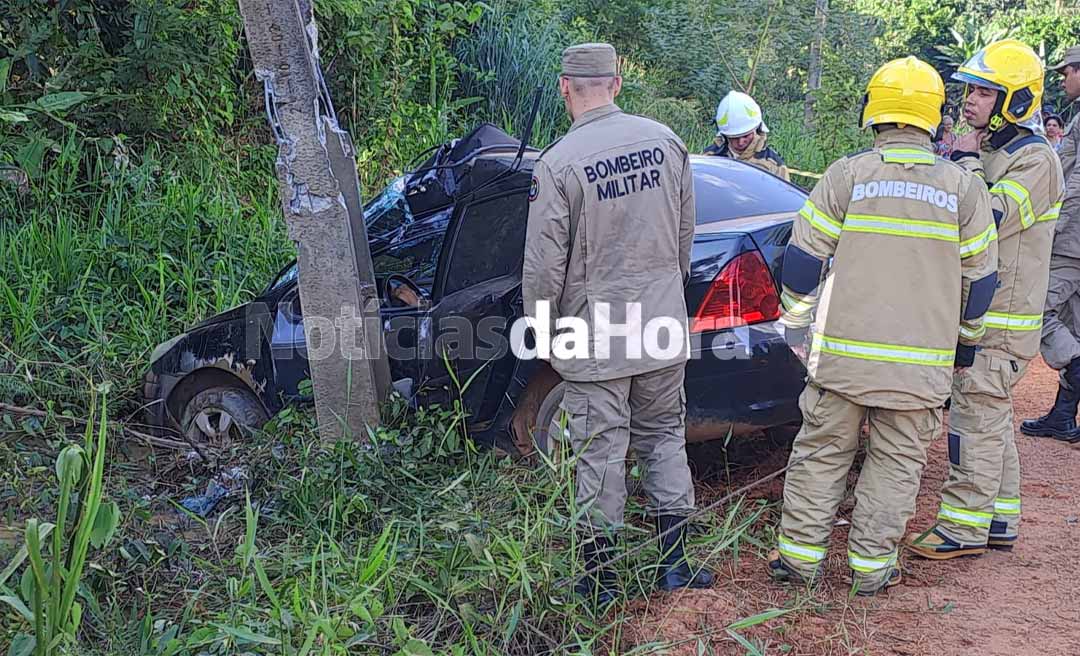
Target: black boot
x,y
601,587
1060,422
675,572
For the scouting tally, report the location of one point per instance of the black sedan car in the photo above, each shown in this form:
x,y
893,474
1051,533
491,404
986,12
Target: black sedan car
x,y
447,242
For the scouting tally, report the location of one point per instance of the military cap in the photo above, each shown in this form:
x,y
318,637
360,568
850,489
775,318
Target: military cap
x,y
590,60
1072,56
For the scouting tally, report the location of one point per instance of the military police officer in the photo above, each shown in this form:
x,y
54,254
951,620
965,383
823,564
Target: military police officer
x,y
611,223
913,254
1061,327
741,134
980,503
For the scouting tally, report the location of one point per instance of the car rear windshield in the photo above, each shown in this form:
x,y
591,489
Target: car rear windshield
x,y
725,189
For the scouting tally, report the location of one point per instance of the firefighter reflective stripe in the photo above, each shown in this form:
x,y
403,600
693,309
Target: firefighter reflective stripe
x,y
907,156
867,565
1005,506
1020,195
807,553
1052,214
795,306
972,333
965,517
887,225
979,243
1021,322
884,352
820,220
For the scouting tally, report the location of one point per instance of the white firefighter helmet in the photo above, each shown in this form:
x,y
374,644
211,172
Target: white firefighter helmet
x,y
738,114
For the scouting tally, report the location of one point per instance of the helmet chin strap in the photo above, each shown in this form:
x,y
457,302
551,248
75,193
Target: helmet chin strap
x,y
997,117
1003,135
1001,130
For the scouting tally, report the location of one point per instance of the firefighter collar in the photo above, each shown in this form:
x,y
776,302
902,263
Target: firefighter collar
x,y
595,115
907,136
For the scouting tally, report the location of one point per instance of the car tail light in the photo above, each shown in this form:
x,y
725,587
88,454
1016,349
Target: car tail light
x,y
742,294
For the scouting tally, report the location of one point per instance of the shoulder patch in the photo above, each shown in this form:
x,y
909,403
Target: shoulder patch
x,y
534,189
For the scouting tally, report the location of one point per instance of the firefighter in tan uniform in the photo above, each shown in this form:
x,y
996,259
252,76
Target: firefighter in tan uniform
x,y
913,250
611,224
741,134
980,502
1061,317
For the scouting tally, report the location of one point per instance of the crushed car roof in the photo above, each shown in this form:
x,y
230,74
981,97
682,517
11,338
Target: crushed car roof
x,y
453,169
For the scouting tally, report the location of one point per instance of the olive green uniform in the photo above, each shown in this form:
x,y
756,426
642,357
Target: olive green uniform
x,y
611,223
913,250
983,490
1061,319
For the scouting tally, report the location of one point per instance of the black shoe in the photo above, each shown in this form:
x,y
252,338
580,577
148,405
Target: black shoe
x,y
675,572
600,587
1060,422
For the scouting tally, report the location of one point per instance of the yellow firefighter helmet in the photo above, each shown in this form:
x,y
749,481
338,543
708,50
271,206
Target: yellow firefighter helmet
x,y
905,91
1016,71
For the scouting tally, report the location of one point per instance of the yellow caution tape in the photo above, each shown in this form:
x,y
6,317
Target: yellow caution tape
x,y
805,174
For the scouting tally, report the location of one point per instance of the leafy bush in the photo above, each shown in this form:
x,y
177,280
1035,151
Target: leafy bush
x,y
516,48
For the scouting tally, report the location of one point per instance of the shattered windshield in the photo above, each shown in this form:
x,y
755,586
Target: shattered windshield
x,y
400,243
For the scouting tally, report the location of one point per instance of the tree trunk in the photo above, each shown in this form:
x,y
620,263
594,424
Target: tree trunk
x,y
320,197
813,82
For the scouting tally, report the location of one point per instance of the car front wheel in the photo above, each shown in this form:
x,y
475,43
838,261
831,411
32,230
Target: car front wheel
x,y
221,414
555,444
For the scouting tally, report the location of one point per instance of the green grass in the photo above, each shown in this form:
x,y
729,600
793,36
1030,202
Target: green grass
x,y
420,544
104,260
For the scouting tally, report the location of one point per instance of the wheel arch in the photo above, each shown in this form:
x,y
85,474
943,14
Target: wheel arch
x,y
204,378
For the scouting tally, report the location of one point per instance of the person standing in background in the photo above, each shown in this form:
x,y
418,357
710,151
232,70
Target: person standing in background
x,y
1054,131
943,147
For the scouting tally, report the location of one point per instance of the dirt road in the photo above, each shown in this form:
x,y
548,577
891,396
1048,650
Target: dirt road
x,y
999,604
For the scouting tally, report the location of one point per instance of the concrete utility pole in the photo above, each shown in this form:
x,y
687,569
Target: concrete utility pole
x,y
320,196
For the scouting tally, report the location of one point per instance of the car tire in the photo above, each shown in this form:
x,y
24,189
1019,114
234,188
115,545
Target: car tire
x,y
549,409
221,414
546,415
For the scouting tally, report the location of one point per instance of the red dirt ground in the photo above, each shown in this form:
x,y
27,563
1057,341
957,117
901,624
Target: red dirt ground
x,y
999,604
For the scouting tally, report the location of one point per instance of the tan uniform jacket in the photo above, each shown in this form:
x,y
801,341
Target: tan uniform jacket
x,y
611,224
909,235
1025,181
1067,235
758,154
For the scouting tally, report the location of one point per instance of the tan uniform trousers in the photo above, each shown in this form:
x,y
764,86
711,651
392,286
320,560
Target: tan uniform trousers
x,y
604,419
984,469
884,496
1061,318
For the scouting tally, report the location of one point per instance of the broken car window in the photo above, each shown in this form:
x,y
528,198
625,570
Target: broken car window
x,y
490,242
